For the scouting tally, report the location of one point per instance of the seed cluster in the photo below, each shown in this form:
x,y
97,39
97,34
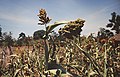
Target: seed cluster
x,y
73,28
43,17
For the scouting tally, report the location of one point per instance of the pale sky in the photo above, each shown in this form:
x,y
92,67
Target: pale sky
x,y
21,15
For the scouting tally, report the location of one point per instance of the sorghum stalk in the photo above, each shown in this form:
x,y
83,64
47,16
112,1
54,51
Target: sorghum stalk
x,y
105,62
46,50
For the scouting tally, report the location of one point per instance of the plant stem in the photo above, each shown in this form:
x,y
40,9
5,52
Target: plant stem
x,y
46,53
46,48
79,40
105,62
89,70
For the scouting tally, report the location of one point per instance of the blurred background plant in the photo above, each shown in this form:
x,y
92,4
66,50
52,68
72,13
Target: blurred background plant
x,y
114,23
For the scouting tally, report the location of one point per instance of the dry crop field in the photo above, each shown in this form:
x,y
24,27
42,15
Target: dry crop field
x,y
68,54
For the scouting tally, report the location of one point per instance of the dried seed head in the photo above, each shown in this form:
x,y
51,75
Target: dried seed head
x,y
73,28
103,41
43,17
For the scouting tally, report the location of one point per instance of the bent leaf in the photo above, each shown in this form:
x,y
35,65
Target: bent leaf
x,y
51,27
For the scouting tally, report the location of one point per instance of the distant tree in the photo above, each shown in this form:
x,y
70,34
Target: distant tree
x,y
114,23
19,42
7,40
21,39
27,41
22,35
7,37
0,32
0,36
104,33
38,34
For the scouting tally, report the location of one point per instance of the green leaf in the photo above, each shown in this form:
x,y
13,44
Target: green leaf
x,y
51,27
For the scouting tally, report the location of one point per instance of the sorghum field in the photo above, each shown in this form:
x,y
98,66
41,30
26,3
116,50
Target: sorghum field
x,y
66,54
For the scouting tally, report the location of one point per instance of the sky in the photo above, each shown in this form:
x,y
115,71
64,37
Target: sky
x,y
18,16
